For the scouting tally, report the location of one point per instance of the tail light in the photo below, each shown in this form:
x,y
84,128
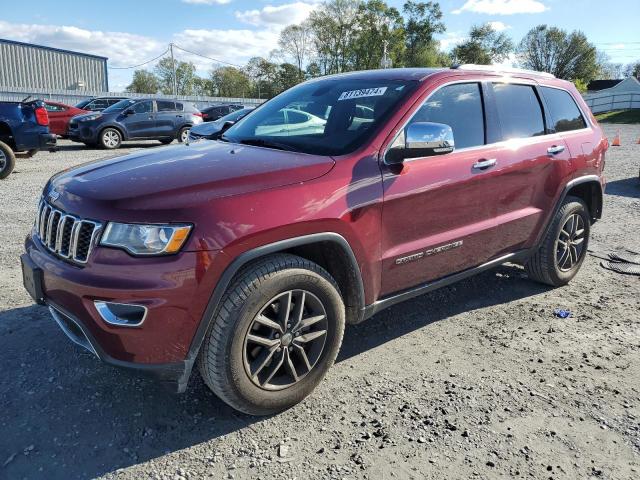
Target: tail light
x,y
198,114
42,117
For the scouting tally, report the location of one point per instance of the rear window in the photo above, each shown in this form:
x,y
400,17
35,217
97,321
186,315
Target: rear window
x,y
519,111
179,107
165,106
565,114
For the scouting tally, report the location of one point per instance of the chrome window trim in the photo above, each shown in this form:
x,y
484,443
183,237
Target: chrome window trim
x,y
519,81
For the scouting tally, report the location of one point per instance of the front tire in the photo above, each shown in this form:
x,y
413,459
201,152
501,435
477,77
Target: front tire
x,y
275,335
110,138
564,247
7,160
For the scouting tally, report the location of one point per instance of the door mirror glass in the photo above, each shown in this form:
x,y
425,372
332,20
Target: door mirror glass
x,y
129,111
421,139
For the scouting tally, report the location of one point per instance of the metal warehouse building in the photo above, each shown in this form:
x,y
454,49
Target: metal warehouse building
x,y
27,66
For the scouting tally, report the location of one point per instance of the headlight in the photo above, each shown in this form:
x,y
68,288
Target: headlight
x,y
88,118
145,239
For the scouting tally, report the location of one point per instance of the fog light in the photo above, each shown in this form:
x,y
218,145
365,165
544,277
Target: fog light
x,y
121,314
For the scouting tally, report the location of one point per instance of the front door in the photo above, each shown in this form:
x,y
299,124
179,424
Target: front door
x,y
141,123
167,118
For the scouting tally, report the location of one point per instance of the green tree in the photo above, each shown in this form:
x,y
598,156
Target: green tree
x,y
422,22
632,70
143,82
566,55
263,74
379,27
287,76
484,46
203,86
295,41
230,82
334,26
185,75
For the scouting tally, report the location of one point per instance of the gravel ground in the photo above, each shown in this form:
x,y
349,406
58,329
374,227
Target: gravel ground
x,y
477,380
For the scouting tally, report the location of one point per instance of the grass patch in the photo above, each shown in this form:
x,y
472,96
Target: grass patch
x,y
620,116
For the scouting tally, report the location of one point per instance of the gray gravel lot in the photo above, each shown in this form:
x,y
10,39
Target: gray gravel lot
x,y
477,380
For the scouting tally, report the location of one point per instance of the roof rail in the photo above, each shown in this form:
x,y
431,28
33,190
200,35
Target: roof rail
x,y
497,68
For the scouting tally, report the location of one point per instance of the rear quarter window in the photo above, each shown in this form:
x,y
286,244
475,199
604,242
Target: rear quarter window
x,y
519,111
565,114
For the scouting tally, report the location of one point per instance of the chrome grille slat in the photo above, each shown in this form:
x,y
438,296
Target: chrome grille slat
x,y
53,226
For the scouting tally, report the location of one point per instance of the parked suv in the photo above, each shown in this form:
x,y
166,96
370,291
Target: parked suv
x,y
135,119
249,255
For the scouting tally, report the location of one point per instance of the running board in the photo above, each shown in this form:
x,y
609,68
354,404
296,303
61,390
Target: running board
x,y
371,310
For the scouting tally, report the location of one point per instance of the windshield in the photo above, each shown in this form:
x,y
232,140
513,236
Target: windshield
x,y
83,103
326,117
234,116
121,105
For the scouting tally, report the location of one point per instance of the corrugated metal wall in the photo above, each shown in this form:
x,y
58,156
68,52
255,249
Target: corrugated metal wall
x,y
35,67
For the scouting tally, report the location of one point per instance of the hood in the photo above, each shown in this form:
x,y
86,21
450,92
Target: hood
x,y
207,128
183,175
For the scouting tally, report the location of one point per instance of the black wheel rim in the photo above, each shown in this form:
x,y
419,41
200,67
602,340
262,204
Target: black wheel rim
x,y
570,243
285,340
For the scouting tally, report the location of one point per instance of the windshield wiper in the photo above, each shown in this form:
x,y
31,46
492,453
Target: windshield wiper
x,y
259,142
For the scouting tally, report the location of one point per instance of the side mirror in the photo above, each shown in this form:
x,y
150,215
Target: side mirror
x,y
129,111
421,139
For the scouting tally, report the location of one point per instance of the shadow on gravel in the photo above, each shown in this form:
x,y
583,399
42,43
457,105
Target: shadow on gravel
x,y
64,414
629,187
501,285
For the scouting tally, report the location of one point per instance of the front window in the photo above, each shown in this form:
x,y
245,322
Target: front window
x,y
325,117
121,105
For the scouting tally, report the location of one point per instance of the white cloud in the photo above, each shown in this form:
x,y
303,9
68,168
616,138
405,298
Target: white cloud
x,y
499,26
617,46
232,46
122,49
280,16
451,39
206,2
502,7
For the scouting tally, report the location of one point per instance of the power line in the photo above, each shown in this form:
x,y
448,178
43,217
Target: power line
x,y
140,64
204,56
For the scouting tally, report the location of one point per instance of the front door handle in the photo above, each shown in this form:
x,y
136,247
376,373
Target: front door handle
x,y
179,116
484,164
555,149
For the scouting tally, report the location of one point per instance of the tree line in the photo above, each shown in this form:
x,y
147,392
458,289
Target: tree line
x,y
346,35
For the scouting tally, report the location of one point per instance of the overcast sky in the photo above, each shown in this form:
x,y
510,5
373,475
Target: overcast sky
x,y
131,32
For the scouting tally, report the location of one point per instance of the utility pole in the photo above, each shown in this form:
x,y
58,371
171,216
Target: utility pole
x,y
386,61
173,67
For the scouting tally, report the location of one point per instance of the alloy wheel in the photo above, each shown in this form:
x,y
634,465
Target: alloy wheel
x,y
111,138
3,160
184,135
285,340
570,243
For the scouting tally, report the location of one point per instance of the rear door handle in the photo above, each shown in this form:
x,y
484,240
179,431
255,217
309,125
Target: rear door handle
x,y
484,164
555,149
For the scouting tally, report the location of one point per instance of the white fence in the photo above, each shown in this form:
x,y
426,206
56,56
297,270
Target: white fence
x,y
606,101
71,97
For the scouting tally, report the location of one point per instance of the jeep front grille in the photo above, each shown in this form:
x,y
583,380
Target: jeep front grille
x,y
65,235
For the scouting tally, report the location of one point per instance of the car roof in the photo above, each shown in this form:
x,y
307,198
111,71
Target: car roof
x,y
386,74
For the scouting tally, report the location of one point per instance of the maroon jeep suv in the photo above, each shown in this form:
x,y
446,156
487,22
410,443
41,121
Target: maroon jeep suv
x,y
338,198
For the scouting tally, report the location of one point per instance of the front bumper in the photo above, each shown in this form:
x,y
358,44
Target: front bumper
x,y
83,132
173,289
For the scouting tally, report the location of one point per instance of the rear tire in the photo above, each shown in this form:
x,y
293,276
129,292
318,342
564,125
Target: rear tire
x,y
110,138
183,134
7,160
564,247
251,355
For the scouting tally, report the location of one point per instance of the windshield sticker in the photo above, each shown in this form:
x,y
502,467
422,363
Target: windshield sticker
x,y
365,92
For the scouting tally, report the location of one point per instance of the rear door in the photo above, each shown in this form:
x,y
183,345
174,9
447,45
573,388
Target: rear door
x,y
531,159
166,118
141,124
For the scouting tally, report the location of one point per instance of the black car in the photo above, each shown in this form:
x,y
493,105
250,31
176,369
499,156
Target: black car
x,y
135,119
98,104
213,130
213,113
